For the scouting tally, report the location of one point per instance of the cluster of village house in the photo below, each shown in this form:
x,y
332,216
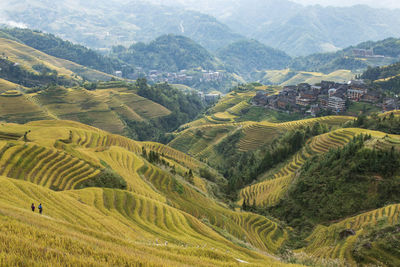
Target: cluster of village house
x,y
326,96
182,76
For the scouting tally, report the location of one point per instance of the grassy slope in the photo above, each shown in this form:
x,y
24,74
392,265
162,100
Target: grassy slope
x,y
108,109
314,77
288,77
269,192
28,57
199,141
324,246
325,241
20,108
6,85
109,226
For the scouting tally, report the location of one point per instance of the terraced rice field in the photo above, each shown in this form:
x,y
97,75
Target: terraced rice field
x,y
270,191
132,103
171,153
107,227
221,117
6,85
46,167
20,109
28,57
325,242
159,220
108,109
236,109
198,141
259,134
255,229
232,99
127,164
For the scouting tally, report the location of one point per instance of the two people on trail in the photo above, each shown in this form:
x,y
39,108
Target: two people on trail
x,y
40,208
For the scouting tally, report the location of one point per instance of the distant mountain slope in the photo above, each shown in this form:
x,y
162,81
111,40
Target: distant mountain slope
x,y
247,56
168,53
136,110
385,77
102,24
54,46
7,85
350,58
108,109
36,61
302,30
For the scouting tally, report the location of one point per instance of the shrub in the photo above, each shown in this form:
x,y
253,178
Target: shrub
x,y
106,178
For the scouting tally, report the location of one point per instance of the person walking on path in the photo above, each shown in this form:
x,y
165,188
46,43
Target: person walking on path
x,y
33,207
40,208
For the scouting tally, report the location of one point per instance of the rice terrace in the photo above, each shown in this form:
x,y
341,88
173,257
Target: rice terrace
x,y
199,133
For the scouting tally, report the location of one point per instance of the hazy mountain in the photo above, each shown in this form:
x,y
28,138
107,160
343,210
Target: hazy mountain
x,y
384,52
247,56
299,29
100,24
167,53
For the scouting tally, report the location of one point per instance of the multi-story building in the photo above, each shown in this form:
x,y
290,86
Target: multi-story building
x,y
336,104
355,94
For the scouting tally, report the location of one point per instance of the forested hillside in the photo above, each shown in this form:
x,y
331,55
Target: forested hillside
x,y
340,183
168,53
57,47
348,59
245,57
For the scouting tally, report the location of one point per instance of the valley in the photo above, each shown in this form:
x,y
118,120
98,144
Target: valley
x,y
175,133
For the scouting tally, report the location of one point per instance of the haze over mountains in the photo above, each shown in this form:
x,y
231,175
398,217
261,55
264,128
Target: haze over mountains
x,y
289,26
301,30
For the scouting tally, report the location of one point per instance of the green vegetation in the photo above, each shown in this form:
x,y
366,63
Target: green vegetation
x,y
106,178
378,73
249,165
254,113
380,241
54,46
327,63
184,108
357,108
37,62
167,53
247,56
340,183
386,78
15,73
388,123
344,59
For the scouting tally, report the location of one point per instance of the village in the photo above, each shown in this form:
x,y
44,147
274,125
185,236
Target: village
x,y
186,77
324,98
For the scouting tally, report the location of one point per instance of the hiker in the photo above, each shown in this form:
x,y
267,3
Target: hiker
x,y
33,207
40,208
